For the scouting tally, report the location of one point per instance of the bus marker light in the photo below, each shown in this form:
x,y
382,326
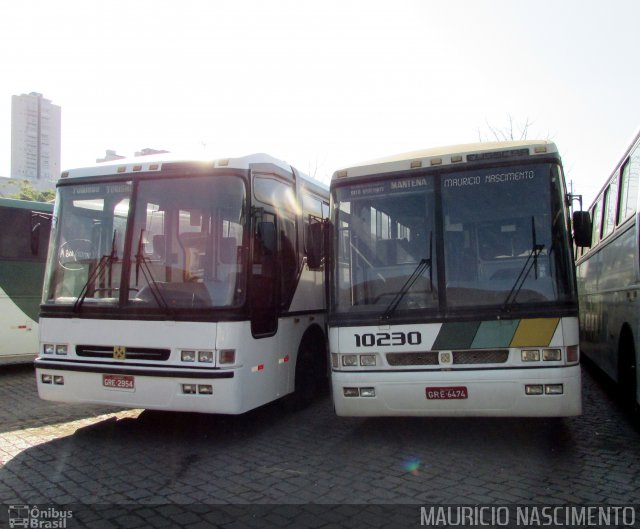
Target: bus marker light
x,y
367,392
572,353
205,356
541,149
553,389
456,159
334,360
530,355
351,392
259,367
349,360
205,389
436,161
46,379
58,380
534,389
227,356
49,348
189,389
368,360
188,356
416,164
551,355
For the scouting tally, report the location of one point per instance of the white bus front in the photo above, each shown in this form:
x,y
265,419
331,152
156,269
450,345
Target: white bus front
x,y
453,290
161,292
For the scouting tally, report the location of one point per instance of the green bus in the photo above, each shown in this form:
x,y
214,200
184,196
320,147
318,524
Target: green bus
x,y
24,239
609,278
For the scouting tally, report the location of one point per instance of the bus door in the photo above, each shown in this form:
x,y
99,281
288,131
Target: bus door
x,y
264,277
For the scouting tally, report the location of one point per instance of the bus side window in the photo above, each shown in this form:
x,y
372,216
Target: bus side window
x,y
629,185
596,216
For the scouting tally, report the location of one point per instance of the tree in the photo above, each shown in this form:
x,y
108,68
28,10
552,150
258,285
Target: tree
x,y
28,192
512,132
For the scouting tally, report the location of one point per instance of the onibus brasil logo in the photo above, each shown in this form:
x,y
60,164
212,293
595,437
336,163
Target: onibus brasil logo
x,y
38,518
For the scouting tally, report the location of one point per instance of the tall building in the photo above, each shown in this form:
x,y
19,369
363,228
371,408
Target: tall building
x,y
35,137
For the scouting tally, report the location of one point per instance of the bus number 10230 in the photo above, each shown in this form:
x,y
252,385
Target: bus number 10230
x,y
382,339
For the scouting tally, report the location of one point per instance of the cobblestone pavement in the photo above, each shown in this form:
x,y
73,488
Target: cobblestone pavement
x,y
270,467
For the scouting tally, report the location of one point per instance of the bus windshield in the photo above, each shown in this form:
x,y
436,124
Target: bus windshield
x,y
492,238
156,244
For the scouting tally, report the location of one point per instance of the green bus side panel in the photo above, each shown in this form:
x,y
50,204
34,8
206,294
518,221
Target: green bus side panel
x,y
22,282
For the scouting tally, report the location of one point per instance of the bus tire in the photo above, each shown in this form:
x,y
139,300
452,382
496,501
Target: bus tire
x,y
310,371
627,372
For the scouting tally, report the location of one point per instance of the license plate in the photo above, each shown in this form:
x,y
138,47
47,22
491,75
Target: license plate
x,y
120,382
447,393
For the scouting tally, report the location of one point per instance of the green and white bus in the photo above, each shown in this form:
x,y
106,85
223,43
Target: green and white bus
x,y
453,290
24,239
184,285
609,278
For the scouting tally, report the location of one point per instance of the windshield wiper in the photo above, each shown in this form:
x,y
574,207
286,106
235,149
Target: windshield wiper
x,y
419,270
530,263
98,273
142,263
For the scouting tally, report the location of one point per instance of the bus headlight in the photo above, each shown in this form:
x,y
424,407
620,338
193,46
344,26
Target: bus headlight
x,y
49,348
368,360
551,355
530,355
205,356
188,356
61,349
349,360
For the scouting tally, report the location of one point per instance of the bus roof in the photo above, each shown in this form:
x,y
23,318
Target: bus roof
x,y
26,204
155,163
449,155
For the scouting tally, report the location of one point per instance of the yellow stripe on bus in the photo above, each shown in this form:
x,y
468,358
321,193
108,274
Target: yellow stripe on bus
x,y
536,332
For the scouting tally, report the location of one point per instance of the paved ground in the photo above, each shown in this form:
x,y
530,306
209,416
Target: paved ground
x,y
270,467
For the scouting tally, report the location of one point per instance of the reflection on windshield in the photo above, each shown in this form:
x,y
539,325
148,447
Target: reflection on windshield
x,y
502,238
384,235
185,248
505,238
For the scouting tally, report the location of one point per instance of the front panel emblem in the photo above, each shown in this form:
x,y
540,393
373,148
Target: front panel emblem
x,y
119,352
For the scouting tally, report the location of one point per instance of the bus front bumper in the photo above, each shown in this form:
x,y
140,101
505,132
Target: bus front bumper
x,y
159,389
480,393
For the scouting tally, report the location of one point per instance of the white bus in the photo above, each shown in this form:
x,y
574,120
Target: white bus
x,y
452,284
184,285
609,279
24,239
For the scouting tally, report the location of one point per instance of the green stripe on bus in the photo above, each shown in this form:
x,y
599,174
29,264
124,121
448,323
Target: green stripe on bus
x,y
457,335
498,333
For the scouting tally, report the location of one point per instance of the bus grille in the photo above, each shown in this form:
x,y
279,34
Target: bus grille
x,y
132,353
413,359
499,356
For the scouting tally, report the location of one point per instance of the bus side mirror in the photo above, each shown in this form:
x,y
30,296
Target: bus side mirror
x,y
315,246
582,228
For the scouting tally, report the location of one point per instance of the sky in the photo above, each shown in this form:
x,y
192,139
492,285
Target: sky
x,y
327,84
